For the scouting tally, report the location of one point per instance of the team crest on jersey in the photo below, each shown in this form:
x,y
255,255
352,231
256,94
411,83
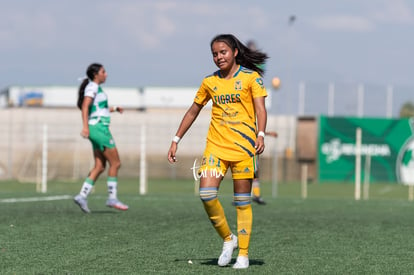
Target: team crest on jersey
x,y
260,81
238,85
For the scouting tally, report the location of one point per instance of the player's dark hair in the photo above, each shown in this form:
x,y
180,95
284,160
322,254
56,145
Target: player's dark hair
x,y
251,59
91,71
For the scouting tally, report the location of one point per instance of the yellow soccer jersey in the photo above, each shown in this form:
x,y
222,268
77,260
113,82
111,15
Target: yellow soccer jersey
x,y
232,132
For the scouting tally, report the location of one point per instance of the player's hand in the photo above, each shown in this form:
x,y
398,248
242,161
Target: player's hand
x,y
120,110
259,146
171,153
85,133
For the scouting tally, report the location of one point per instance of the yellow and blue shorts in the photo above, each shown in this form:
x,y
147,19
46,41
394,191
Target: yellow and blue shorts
x,y
211,165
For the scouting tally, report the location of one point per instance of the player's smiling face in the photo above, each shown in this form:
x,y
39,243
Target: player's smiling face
x,y
224,57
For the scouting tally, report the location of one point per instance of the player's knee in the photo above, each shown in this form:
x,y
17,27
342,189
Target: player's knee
x,y
208,193
241,199
117,165
100,168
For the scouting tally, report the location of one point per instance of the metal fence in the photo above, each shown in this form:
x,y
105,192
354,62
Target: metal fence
x,y
341,99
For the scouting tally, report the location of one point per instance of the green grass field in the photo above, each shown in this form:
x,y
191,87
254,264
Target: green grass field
x,y
327,233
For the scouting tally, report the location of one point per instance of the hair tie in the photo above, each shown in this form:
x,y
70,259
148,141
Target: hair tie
x,y
81,79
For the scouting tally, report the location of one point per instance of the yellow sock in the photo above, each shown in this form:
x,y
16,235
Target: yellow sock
x,y
256,188
244,227
256,191
216,215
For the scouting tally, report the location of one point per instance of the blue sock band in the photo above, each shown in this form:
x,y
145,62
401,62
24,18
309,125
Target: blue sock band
x,y
241,199
208,193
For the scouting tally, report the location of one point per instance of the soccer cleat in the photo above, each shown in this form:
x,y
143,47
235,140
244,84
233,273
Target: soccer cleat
x,y
82,202
241,262
228,248
258,200
115,203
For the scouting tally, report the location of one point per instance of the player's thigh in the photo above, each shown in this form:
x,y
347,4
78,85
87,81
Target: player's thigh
x,y
210,181
242,185
112,155
99,157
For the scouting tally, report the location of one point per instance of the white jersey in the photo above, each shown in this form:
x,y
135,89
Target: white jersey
x,y
98,110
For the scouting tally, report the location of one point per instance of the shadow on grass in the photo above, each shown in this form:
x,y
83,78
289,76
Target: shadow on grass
x,y
100,212
104,212
213,261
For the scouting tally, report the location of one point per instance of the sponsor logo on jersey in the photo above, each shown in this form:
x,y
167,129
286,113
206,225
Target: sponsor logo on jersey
x,y
230,114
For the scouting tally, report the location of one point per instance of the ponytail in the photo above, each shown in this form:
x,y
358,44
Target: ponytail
x,y
81,92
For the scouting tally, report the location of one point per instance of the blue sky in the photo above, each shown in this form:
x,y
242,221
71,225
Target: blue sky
x,y
166,43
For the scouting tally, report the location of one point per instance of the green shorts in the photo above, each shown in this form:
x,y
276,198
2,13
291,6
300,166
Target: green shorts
x,y
100,137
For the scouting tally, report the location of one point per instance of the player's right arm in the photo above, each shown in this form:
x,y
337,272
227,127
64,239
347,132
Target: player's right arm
x,y
188,119
87,101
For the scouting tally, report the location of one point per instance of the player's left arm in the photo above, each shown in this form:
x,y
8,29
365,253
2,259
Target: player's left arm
x,y
261,115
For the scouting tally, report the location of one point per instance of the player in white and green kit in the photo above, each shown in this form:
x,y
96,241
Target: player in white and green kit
x,y
93,103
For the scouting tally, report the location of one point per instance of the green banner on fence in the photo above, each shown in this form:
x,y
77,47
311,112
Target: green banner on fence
x,y
389,143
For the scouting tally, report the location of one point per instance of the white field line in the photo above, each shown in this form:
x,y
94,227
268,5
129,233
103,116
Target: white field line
x,y
385,190
32,199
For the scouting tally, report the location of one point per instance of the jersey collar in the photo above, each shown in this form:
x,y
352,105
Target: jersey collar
x,y
235,74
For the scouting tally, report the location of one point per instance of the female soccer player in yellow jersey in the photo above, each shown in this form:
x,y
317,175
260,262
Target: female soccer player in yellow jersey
x,y
235,137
